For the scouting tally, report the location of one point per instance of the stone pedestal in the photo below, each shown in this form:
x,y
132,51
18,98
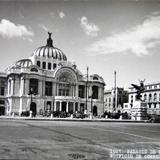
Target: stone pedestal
x,y
71,116
120,118
139,111
13,114
30,114
91,116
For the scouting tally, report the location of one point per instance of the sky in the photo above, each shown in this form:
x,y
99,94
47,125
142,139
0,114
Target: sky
x,y
105,35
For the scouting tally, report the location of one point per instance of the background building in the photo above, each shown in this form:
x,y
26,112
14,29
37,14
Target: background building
x,y
151,96
114,99
46,80
3,91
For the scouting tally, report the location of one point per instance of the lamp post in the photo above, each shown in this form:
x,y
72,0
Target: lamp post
x,y
31,92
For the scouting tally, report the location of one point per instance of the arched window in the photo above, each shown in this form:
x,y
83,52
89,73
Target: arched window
x,y
38,63
64,89
34,70
48,88
145,97
44,65
2,88
95,78
150,97
54,65
33,85
49,66
95,92
60,64
81,91
66,84
155,96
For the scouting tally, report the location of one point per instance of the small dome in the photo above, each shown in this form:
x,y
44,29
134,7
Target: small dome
x,y
23,63
49,51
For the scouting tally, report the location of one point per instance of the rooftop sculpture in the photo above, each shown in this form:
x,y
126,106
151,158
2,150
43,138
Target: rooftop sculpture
x,y
139,89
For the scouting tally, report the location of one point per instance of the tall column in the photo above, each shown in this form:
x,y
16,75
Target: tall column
x,y
76,90
73,106
43,87
90,91
53,89
12,87
26,89
60,107
55,106
40,87
67,107
52,106
72,93
10,106
9,86
20,107
22,86
57,88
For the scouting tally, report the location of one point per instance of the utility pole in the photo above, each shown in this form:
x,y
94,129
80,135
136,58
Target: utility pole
x,y
87,89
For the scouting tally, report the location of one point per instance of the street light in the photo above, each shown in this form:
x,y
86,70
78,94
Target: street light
x,y
31,92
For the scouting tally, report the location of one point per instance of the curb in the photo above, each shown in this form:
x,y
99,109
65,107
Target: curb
x,y
73,120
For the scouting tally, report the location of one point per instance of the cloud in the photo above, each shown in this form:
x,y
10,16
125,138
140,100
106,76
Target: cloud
x,y
11,30
62,15
44,27
52,14
138,39
21,15
90,29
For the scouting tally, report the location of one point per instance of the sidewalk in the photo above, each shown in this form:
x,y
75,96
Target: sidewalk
x,y
39,118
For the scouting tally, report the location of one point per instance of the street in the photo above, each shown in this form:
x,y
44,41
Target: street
x,y
62,140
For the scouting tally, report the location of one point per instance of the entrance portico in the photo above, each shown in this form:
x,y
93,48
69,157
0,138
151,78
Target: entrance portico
x,y
67,104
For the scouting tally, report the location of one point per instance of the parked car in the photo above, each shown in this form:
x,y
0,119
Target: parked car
x,y
154,119
79,115
25,114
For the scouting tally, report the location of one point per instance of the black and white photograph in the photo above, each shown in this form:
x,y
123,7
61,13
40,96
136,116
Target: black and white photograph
x,y
79,80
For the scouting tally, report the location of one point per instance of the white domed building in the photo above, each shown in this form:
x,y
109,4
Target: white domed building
x,y
47,80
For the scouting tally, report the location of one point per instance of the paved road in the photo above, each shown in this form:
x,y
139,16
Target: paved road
x,y
57,140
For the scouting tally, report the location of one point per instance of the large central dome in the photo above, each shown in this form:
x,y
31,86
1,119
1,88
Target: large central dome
x,y
49,51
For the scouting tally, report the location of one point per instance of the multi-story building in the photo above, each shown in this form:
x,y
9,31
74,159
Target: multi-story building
x,y
151,96
113,100
3,90
46,80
